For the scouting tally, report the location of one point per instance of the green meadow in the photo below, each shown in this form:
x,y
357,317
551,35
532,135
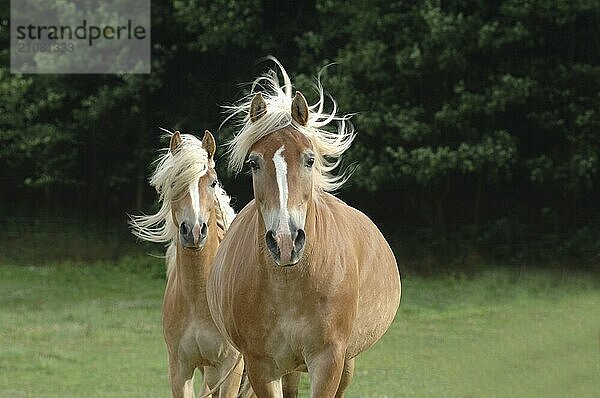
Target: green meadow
x,y
71,329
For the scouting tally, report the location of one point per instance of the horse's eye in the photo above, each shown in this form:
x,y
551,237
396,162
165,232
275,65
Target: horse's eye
x,y
213,184
253,164
310,162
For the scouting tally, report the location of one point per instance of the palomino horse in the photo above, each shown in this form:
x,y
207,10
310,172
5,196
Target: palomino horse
x,y
302,281
193,218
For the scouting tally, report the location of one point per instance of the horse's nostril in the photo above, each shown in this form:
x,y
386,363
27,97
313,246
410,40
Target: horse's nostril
x,y
203,230
272,243
183,229
299,241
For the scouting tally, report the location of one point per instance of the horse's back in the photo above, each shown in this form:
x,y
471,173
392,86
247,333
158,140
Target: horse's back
x,y
378,277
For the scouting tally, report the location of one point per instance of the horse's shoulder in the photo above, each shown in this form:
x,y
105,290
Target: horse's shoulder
x,y
244,216
250,206
239,237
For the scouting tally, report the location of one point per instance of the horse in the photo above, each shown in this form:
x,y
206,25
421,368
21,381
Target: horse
x,y
302,281
193,218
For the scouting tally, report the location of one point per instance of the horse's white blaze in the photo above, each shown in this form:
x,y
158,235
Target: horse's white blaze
x,y
282,185
195,196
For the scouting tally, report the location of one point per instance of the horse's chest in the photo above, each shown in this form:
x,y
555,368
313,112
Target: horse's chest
x,y
284,332
292,318
287,339
200,344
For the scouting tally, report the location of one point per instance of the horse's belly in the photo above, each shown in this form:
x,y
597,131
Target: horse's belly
x,y
375,313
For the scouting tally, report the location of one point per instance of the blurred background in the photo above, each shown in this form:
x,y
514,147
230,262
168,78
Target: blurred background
x,y
478,123
477,154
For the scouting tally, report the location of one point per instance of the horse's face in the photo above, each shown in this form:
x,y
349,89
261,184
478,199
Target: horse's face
x,y
192,208
282,176
192,211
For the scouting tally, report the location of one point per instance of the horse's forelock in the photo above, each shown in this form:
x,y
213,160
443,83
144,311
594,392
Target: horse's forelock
x,y
328,145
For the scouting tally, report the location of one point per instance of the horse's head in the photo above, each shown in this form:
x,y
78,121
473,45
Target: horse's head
x,y
292,157
193,193
282,174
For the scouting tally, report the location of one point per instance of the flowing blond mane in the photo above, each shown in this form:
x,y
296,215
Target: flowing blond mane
x,y
173,175
328,145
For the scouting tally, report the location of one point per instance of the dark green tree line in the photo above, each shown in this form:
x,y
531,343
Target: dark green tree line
x,y
467,112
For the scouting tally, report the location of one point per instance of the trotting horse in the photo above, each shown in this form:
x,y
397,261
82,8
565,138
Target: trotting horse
x,y
193,218
302,281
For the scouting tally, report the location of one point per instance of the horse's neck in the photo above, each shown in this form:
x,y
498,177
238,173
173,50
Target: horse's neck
x,y
192,267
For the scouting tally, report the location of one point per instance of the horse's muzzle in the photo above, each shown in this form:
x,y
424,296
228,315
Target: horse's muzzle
x,y
193,237
285,248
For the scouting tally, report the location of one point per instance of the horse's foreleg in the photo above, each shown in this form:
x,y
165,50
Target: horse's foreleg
x,y
325,371
263,380
181,375
347,374
290,384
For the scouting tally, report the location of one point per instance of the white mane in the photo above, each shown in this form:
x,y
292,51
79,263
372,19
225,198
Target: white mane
x,y
173,175
328,145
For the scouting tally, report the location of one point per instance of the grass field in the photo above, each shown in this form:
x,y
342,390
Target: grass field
x,y
77,330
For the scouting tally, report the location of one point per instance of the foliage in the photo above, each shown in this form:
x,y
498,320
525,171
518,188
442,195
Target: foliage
x,y
468,113
481,96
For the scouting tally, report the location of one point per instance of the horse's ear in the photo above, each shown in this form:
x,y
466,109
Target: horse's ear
x,y
175,141
258,107
300,109
209,145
